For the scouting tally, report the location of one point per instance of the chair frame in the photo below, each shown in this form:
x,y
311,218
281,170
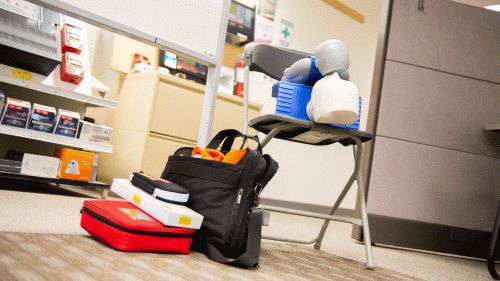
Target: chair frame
x,y
337,134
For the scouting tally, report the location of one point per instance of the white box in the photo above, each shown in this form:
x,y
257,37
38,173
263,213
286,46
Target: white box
x,y
104,134
167,213
88,131
94,133
67,123
41,166
16,113
42,118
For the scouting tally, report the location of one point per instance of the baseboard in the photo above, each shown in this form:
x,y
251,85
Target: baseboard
x,y
305,207
427,237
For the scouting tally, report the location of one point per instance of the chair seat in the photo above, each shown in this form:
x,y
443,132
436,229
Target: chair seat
x,y
307,132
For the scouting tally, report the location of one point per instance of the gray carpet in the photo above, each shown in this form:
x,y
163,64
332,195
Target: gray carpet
x,y
27,256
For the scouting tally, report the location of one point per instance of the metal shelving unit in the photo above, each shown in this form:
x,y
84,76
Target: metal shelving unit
x,y
39,84
70,185
56,139
40,87
51,180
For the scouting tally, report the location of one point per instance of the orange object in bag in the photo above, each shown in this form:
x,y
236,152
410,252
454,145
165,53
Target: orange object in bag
x,y
206,153
232,157
235,156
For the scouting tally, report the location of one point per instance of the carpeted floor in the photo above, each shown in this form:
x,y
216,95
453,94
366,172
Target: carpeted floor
x,y
28,256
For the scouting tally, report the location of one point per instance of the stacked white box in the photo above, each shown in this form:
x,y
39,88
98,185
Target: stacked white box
x,y
167,213
41,166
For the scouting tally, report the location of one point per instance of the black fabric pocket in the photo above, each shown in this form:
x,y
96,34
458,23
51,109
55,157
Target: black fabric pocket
x,y
213,186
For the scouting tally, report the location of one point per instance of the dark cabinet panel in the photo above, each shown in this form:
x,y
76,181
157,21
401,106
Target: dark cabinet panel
x,y
447,36
439,109
428,184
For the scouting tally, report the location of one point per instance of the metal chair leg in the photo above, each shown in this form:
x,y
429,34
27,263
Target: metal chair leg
x,y
354,176
334,208
275,131
366,228
491,250
364,215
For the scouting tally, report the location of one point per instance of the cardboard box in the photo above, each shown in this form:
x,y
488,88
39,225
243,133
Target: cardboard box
x,y
71,68
104,134
42,118
41,166
167,213
88,131
16,113
67,123
75,165
94,133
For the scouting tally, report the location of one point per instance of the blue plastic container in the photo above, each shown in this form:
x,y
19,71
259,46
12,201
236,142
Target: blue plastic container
x,y
292,100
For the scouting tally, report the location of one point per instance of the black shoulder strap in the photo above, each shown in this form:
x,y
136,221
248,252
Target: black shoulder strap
x,y
249,259
227,137
271,169
220,136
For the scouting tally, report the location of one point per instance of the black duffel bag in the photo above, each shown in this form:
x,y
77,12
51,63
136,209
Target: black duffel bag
x,y
227,196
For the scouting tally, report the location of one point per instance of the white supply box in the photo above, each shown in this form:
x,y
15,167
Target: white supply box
x,y
67,123
167,213
16,113
41,166
88,131
105,133
95,133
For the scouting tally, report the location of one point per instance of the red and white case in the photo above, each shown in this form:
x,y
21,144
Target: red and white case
x,y
125,227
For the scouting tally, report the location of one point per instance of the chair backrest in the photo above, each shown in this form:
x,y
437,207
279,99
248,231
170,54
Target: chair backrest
x,y
271,60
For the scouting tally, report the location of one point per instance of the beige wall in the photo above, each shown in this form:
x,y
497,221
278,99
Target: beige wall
x,y
308,174
101,56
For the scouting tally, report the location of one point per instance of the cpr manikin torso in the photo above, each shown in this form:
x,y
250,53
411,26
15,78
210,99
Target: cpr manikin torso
x,y
334,99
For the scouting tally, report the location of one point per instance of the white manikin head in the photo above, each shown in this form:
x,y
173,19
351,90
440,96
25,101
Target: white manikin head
x,y
332,56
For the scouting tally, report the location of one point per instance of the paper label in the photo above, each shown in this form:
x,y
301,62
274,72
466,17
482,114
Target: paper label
x,y
312,137
19,73
184,220
135,214
264,29
137,199
285,33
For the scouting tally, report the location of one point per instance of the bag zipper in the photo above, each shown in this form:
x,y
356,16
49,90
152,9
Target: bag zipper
x,y
133,231
241,209
240,194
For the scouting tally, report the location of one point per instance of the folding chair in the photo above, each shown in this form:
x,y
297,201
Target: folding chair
x,y
272,61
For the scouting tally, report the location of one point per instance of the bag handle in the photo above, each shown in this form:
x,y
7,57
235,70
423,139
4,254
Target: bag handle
x,y
249,259
227,137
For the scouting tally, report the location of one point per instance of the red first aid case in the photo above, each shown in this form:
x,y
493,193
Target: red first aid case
x,y
125,227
